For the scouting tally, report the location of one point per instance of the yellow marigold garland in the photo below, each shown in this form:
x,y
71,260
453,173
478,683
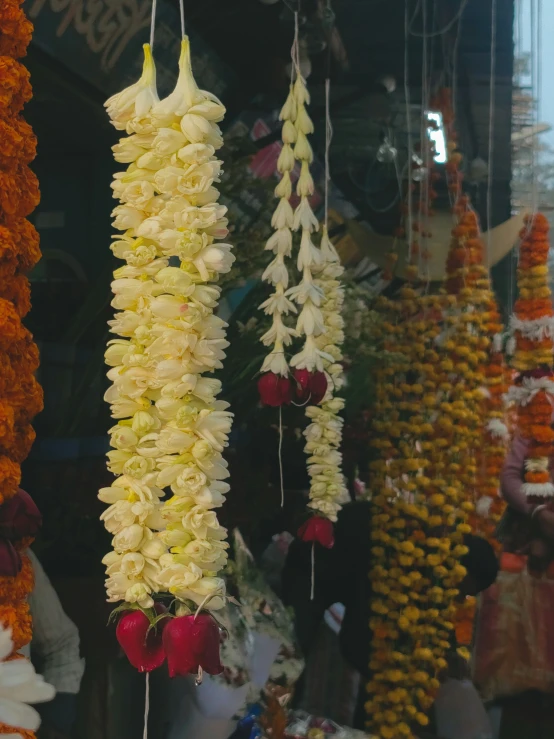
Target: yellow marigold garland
x,y
429,426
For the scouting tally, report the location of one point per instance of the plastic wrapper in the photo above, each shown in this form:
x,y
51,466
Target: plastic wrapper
x,y
303,726
514,649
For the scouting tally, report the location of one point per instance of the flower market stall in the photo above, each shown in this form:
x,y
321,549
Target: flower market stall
x,y
297,438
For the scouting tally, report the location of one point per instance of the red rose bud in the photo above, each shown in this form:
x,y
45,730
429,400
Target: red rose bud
x,y
318,529
274,390
310,386
318,387
302,388
192,645
142,645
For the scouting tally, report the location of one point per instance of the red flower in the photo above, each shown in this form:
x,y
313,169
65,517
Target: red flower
x,y
142,645
310,386
192,645
274,390
318,529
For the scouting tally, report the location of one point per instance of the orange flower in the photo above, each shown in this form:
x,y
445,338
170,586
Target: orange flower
x,y
14,589
17,617
17,291
15,88
10,477
21,443
26,240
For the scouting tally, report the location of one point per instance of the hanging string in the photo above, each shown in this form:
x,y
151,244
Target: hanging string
x,y
182,11
492,112
328,138
279,451
146,706
409,125
153,23
534,137
295,50
442,30
424,143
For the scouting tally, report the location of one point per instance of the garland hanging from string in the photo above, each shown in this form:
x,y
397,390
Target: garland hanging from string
x,y
171,428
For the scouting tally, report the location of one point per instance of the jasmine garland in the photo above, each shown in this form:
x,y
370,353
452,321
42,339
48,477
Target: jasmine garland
x,y
171,430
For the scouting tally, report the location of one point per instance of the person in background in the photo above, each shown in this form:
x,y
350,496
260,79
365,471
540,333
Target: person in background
x,y
55,653
526,528
341,576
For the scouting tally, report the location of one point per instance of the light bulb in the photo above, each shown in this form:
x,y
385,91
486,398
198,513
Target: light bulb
x,y
420,174
386,153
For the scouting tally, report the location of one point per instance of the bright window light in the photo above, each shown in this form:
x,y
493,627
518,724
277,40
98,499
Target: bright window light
x,y
437,136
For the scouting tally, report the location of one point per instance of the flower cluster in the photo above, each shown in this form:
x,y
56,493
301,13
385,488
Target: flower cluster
x,y
20,394
171,428
533,331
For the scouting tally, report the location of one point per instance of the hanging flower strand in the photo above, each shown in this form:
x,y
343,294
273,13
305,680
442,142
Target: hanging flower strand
x,y
308,295
324,434
274,385
171,430
533,335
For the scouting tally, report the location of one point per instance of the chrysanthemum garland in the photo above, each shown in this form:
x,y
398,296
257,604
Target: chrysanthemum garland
x,y
20,394
533,330
172,429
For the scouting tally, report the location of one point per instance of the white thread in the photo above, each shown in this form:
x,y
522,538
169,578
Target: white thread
x,y
444,29
492,112
409,125
295,50
182,11
146,706
312,591
153,23
279,451
328,138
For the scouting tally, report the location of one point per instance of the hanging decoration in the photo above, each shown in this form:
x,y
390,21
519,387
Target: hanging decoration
x,y
171,428
274,384
430,424
532,326
324,433
20,393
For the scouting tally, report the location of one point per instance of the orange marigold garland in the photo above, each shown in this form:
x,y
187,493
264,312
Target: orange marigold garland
x,y
532,325
20,394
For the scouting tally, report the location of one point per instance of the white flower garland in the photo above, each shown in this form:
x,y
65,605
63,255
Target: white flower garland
x,y
328,491
171,428
280,243
307,294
